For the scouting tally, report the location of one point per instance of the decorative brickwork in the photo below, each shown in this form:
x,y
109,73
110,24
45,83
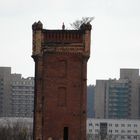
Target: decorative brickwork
x,y
60,82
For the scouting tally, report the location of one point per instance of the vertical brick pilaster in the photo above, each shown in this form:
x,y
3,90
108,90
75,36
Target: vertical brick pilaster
x,y
38,98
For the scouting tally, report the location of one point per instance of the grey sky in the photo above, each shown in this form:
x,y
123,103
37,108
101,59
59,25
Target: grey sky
x,y
115,34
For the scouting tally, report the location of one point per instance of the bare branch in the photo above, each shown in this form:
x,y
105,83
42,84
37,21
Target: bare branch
x,y
76,24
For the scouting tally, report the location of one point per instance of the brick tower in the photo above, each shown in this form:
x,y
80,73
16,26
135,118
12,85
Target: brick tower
x,y
60,82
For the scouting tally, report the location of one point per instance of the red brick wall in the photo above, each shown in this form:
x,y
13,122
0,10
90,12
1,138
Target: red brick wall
x,y
60,82
64,74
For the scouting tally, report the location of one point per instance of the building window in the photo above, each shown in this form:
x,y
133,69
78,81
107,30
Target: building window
x,y
110,124
96,124
135,131
129,137
90,130
96,130
116,125
135,125
122,131
129,125
122,125
90,124
122,137
116,131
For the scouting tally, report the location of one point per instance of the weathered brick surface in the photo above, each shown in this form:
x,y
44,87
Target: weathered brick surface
x,y
73,113
60,85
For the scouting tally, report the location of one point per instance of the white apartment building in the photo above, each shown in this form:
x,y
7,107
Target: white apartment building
x,y
113,129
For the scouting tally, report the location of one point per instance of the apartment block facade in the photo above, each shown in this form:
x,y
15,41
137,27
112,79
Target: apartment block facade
x,y
5,91
118,99
113,129
22,96
16,94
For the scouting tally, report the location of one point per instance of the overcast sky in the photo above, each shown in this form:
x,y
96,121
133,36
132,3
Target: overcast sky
x,y
115,35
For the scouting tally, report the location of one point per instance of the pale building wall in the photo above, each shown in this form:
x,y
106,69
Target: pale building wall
x,y
99,100
133,76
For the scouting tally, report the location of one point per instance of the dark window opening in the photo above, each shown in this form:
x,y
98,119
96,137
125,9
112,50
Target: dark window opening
x,y
65,135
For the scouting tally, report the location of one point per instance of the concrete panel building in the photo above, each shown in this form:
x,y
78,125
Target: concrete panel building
x,y
90,99
16,94
134,82
5,91
113,129
100,98
118,98
22,96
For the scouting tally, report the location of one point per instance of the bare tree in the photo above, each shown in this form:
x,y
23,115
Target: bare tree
x,y
76,24
17,131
